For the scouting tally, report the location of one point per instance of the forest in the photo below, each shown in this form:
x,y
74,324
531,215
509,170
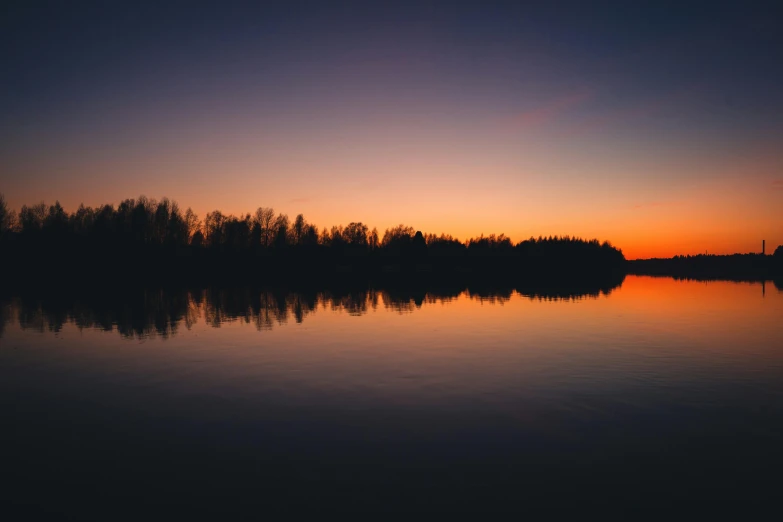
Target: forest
x,y
146,237
734,267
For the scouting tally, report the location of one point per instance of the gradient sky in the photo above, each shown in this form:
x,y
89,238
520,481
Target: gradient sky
x,y
659,128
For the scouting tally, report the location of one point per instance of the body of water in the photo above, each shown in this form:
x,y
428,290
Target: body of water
x,y
657,398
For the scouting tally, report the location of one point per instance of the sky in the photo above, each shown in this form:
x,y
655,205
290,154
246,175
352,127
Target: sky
x,y
656,126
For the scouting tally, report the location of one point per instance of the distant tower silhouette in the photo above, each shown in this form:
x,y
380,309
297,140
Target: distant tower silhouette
x,y
763,247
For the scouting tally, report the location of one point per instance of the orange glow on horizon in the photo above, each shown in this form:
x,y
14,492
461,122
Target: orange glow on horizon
x,y
646,237
726,208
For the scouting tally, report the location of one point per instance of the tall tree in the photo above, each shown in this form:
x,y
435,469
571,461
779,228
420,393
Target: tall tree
x,y
192,223
32,218
298,229
281,230
265,220
213,228
355,234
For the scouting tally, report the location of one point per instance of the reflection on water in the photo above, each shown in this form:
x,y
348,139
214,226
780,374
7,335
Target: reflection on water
x,y
659,397
163,312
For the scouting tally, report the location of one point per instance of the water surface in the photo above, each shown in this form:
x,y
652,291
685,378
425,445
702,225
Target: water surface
x,y
657,397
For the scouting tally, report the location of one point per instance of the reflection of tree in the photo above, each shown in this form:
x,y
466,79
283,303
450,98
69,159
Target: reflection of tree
x,y
374,297
398,305
33,318
267,314
353,302
490,298
163,312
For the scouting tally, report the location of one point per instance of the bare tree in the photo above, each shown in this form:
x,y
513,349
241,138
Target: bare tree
x,y
161,220
12,221
177,230
192,223
265,220
32,218
213,227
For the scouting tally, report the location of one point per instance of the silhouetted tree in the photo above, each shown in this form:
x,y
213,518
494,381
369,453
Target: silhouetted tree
x,y
264,220
281,230
334,238
355,234
310,238
142,220
323,237
3,214
56,222
82,221
7,218
237,232
490,244
32,218
177,231
372,240
213,228
104,228
398,236
198,239
147,235
192,224
160,221
418,240
298,230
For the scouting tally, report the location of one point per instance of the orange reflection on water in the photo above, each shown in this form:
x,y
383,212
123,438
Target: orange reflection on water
x,y
409,348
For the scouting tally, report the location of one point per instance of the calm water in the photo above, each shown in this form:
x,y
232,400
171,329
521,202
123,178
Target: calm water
x,y
659,397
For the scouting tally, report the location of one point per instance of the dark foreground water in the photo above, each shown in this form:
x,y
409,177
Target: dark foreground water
x,y
661,399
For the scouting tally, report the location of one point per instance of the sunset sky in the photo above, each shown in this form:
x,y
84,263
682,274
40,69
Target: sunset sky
x,y
658,128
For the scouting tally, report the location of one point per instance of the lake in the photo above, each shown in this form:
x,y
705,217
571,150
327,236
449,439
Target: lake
x,y
656,398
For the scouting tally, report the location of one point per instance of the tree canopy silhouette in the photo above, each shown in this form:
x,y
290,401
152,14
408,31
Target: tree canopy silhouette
x,y
736,267
145,235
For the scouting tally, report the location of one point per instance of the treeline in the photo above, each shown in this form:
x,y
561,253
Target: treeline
x,y
142,230
147,222
737,267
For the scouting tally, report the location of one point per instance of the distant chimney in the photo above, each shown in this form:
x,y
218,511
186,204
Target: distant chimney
x,y
763,247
